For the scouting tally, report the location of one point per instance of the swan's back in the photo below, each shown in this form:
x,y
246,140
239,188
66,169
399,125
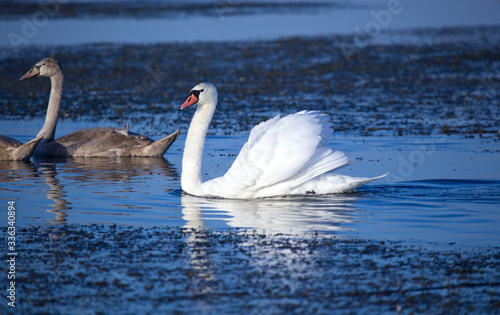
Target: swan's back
x,y
280,154
105,141
7,142
102,141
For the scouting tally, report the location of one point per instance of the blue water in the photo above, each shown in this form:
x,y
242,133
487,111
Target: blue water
x,y
439,189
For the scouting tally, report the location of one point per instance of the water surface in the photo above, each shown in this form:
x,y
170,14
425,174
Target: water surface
x,y
438,188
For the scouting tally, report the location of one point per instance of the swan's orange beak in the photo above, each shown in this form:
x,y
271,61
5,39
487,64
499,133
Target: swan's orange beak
x,y
191,100
35,71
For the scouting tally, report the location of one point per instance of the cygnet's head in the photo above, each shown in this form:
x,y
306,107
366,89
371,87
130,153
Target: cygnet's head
x,y
48,67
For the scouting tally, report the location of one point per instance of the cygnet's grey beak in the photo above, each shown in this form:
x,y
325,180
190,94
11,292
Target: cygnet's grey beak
x,y
35,71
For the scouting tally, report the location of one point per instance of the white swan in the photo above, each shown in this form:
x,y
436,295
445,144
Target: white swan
x,y
11,149
102,141
283,156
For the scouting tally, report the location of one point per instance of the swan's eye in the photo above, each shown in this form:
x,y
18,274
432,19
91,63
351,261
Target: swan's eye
x,y
196,93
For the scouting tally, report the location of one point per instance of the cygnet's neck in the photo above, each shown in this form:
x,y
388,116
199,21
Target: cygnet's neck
x,y
49,127
193,150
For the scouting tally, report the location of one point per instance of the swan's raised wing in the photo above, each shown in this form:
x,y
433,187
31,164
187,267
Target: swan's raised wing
x,y
292,148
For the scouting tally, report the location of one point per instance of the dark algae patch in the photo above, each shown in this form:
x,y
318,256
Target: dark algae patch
x,y
124,270
447,87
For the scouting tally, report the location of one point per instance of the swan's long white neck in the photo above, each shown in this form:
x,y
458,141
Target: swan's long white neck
x,y
193,150
49,127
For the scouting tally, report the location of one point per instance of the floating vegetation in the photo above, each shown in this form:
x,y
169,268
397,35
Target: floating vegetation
x,y
445,88
116,269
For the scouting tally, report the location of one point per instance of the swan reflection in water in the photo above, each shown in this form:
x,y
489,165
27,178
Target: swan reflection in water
x,y
55,191
286,215
13,171
81,173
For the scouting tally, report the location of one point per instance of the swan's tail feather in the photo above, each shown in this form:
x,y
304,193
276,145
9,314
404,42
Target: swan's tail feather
x,y
356,183
157,148
333,183
26,150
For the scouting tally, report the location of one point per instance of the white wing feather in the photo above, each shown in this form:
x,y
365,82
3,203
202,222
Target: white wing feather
x,y
289,150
